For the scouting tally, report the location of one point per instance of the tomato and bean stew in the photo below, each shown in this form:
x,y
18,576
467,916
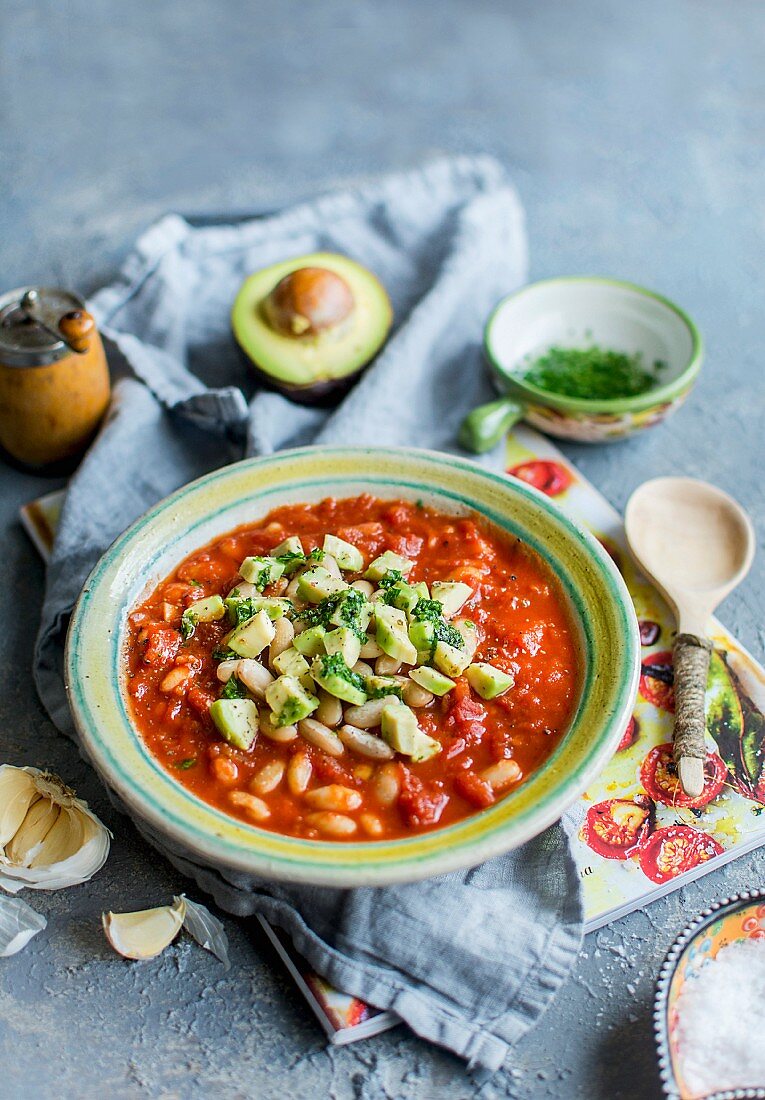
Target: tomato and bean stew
x,y
354,669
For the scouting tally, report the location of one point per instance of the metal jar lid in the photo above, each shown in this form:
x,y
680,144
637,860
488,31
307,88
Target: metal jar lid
x,y
29,318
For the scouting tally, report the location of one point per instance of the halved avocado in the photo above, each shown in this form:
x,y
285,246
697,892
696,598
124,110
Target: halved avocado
x,y
309,325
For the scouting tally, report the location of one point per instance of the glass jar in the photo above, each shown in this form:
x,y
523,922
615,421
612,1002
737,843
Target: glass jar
x,y
54,378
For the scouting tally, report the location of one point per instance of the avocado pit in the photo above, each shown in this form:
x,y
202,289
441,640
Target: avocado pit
x,y
308,301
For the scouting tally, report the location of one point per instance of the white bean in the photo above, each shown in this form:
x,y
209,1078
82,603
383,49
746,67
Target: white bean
x,y
268,778
226,670
363,669
284,633
253,806
371,824
316,733
331,824
369,714
292,587
281,734
254,676
416,696
330,564
329,710
243,591
363,586
387,784
366,744
299,772
333,797
502,774
386,665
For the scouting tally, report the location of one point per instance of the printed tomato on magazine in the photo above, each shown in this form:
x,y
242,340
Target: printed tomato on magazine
x,y
657,679
674,850
619,827
658,775
550,478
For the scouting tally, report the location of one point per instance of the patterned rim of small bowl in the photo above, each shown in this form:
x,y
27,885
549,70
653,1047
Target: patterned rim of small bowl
x,y
660,1025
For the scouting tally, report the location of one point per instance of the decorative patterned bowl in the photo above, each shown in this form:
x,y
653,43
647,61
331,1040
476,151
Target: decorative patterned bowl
x,y
583,310
95,667
739,917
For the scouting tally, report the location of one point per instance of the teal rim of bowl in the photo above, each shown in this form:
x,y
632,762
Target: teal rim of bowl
x,y
559,797
660,1025
657,396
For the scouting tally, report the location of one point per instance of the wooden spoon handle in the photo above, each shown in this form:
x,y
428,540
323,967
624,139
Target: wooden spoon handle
x,y
691,658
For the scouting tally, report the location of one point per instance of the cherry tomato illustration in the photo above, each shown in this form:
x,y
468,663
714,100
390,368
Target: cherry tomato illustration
x,y
657,681
618,827
673,851
658,775
630,735
550,477
649,632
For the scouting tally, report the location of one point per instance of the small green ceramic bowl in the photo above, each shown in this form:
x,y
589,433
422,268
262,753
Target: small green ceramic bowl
x,y
740,917
580,311
600,606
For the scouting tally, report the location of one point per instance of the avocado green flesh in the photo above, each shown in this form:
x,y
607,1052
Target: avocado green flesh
x,y
310,360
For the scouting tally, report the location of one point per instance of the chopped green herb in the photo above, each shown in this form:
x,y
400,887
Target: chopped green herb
x,y
333,664
188,624
391,577
223,653
317,554
449,634
428,611
241,611
291,560
184,765
593,373
234,689
348,604
197,584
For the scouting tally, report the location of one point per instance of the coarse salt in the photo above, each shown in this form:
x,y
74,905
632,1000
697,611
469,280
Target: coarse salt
x,y
721,1021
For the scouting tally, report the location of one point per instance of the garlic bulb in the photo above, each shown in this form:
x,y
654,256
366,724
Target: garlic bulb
x,y
147,933
48,838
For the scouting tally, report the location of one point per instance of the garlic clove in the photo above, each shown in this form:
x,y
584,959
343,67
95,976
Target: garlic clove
x,y
56,842
18,923
145,934
40,818
17,792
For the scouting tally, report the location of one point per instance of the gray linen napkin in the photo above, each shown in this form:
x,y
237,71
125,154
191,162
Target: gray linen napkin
x,y
468,960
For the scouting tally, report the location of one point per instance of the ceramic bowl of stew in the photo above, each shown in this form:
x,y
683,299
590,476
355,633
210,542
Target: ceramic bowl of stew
x,y
547,606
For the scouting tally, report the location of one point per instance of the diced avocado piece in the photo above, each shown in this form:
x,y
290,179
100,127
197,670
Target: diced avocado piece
x,y
393,634
317,583
310,642
422,590
345,642
353,610
400,729
292,545
291,662
451,595
208,610
450,660
289,701
422,635
252,637
333,674
380,566
432,680
274,606
346,555
488,681
236,720
261,571
403,596
379,686
469,633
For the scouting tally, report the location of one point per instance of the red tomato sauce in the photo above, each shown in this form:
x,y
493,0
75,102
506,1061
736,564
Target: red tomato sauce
x,y
524,628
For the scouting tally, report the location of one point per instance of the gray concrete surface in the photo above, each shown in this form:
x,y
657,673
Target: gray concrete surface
x,y
636,136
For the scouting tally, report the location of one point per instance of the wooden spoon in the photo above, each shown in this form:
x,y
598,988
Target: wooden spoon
x,y
695,543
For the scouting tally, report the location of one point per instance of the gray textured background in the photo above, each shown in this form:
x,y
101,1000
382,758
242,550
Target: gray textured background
x,y
636,136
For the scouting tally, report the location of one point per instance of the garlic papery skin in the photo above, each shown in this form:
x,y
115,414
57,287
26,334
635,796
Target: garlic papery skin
x,y
49,839
145,934
18,923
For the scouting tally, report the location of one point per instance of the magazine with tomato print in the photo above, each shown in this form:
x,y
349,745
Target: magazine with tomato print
x,y
634,834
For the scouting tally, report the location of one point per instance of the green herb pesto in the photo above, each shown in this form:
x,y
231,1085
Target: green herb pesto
x,y
592,373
